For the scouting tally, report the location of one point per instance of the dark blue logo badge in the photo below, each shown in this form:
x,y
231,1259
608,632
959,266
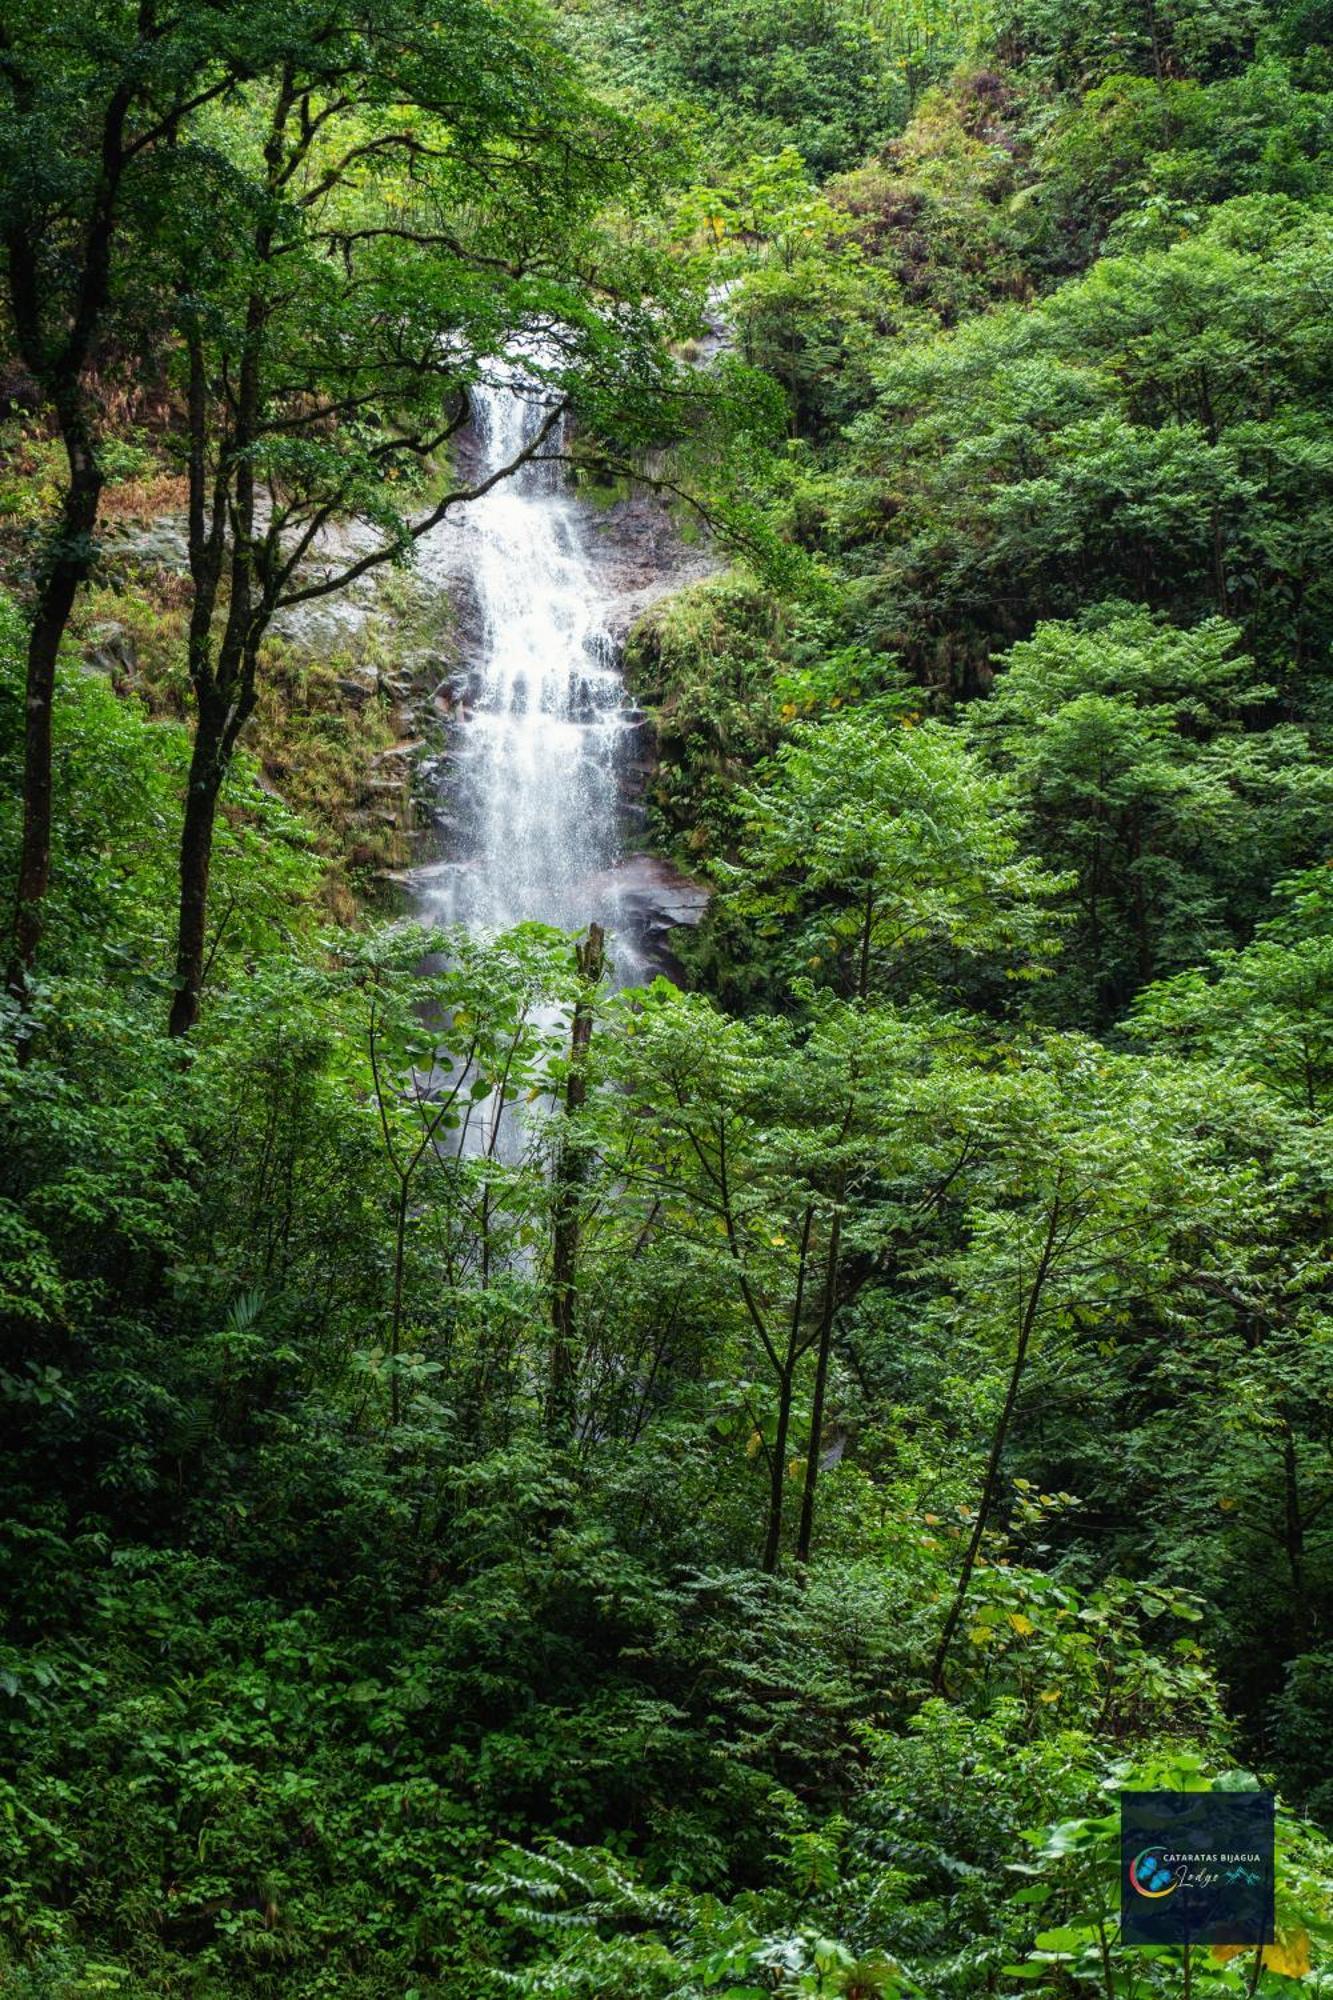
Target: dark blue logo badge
x,y
1196,1867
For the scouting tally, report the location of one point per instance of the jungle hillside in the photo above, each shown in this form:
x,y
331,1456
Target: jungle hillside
x,y
666,1048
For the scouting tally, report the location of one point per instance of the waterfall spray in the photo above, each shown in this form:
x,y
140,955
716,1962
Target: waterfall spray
x,y
533,774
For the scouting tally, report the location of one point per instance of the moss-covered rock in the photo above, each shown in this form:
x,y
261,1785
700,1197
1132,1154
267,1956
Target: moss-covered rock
x,y
703,664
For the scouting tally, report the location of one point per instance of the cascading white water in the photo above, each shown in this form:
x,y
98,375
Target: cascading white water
x,y
532,777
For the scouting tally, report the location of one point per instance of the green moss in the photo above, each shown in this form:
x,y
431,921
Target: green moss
x,y
704,664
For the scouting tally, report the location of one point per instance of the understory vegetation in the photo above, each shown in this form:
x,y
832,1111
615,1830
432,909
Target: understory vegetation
x,y
517,1484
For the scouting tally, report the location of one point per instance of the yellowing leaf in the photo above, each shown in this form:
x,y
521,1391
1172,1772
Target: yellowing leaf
x,y
1023,1626
1290,1955
752,1444
1049,1694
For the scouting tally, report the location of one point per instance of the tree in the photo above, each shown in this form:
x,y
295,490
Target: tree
x,y
408,209
1073,1206
805,302
387,197
1083,43
1149,431
766,1173
877,845
567,1174
1266,1010
1138,752
709,1153
1137,157
451,1052
808,75
1254,1027
90,102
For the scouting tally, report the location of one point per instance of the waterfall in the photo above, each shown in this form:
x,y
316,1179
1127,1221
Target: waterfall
x,y
532,777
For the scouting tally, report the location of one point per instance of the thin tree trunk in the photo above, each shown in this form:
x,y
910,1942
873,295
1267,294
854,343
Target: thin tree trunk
x,y
778,1463
806,1530
70,561
990,1483
828,1313
225,693
1220,567
208,767
1293,1537
589,958
867,934
777,1471
60,376
396,1320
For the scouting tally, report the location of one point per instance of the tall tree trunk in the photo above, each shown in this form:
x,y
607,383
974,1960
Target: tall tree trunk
x,y
991,1481
208,761
1293,1538
396,1314
777,1473
225,693
225,689
778,1465
867,936
589,958
207,770
828,1311
805,1532
68,565
59,372
225,705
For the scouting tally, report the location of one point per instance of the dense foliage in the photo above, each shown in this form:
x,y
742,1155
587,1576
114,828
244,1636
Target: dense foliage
x,y
513,1485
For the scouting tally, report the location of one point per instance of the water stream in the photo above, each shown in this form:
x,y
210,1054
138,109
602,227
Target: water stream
x,y
533,774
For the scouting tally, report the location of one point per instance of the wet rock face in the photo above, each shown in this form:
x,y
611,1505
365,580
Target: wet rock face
x,y
654,901
322,625
639,556
158,544
110,649
645,901
416,640
635,545
531,576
